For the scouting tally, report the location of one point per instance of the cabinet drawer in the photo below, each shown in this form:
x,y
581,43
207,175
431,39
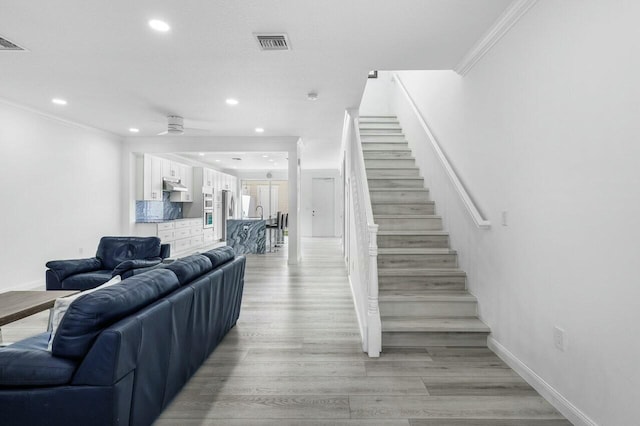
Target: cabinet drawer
x,y
165,235
197,241
196,230
165,226
182,224
181,233
183,244
208,237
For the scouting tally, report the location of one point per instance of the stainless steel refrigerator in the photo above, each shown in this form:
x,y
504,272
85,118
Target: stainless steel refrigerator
x,y
228,211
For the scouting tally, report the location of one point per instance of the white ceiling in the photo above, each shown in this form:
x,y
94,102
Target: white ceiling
x,y
247,160
117,73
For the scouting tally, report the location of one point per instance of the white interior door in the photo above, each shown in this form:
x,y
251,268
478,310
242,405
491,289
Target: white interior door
x,y
323,210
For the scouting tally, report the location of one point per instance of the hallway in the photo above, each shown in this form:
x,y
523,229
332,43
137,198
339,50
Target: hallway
x,y
294,358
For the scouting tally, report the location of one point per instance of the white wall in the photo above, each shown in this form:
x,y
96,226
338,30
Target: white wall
x,y
61,193
306,199
547,127
376,94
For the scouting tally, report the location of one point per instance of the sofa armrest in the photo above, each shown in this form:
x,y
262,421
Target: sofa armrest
x,y
125,269
65,268
165,250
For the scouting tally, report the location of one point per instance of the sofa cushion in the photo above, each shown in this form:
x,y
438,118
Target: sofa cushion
x,y
86,280
220,255
28,363
114,250
189,268
64,268
61,306
125,268
91,313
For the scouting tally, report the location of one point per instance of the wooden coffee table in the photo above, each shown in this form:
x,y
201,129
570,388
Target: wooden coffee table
x,y
15,305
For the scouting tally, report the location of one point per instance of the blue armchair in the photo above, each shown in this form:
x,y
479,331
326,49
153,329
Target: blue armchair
x,y
124,256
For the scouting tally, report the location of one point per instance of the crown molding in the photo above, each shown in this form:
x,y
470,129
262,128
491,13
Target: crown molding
x,y
500,27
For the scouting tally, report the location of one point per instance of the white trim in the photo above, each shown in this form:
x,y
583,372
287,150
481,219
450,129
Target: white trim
x,y
29,285
56,118
480,222
363,334
555,398
500,27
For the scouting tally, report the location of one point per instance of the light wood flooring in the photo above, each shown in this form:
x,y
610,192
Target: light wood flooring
x,y
295,358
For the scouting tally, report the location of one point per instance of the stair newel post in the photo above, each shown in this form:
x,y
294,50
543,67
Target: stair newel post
x,y
374,329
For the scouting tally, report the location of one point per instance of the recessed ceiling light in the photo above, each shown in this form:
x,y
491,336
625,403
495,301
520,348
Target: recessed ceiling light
x,y
312,96
159,25
201,154
59,101
265,156
259,130
231,101
217,161
134,130
271,159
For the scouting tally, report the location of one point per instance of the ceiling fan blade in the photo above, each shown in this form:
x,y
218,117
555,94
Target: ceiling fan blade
x,y
197,124
163,133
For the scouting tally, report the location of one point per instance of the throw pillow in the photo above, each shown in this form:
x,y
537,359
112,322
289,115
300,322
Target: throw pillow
x,y
61,305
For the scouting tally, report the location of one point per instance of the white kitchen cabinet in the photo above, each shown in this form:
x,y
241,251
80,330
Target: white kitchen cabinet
x,y
151,178
185,174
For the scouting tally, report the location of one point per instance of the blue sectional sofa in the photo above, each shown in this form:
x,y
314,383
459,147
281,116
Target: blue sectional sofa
x,y
124,256
123,352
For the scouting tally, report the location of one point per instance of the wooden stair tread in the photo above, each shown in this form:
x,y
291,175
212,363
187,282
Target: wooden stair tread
x,y
426,295
399,190
426,324
406,216
402,250
396,178
418,272
417,232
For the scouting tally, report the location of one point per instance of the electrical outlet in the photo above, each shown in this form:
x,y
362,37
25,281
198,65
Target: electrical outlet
x,y
503,217
559,338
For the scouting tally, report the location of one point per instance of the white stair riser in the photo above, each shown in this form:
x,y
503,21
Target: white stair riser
x,y
423,208
377,125
378,119
390,155
383,173
426,339
411,283
413,241
396,183
404,197
383,138
427,309
409,224
390,163
431,260
384,145
380,131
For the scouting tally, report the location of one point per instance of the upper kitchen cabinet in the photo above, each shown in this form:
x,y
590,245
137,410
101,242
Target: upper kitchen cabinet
x,y
185,174
151,178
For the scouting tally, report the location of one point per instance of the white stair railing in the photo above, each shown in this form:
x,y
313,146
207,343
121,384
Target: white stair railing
x,y
363,258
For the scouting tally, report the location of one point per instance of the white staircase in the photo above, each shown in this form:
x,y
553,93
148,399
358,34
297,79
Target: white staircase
x,y
422,293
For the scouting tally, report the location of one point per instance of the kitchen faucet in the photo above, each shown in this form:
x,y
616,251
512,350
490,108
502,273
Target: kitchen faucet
x,y
261,212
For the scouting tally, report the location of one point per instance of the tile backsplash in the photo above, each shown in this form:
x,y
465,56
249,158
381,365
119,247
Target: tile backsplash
x,y
158,210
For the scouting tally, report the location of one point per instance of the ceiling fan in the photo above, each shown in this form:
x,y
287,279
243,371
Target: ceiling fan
x,y
175,126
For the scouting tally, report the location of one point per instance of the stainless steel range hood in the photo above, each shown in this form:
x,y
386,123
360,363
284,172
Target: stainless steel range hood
x,y
173,185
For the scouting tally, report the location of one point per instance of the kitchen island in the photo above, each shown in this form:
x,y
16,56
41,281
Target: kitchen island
x,y
247,235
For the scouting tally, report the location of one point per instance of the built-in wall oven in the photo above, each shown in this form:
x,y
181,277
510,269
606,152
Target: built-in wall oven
x,y
207,218
208,201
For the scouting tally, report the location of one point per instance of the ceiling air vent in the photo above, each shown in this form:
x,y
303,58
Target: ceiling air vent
x,y
273,41
8,45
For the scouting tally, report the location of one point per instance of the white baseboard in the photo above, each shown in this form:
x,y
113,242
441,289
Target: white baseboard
x,y
555,398
29,285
